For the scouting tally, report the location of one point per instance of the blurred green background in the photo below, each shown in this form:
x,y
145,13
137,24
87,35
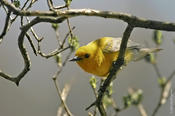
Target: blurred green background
x,y
37,96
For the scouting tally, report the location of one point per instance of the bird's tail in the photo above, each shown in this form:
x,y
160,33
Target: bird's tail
x,y
141,53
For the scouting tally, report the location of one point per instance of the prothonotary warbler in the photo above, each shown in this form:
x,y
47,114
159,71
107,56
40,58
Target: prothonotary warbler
x,y
97,56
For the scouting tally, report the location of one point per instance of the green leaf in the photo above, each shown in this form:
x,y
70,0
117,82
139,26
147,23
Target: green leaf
x,y
55,26
73,42
162,81
16,3
157,37
93,82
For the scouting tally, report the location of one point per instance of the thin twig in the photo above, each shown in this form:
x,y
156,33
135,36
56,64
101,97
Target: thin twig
x,y
21,9
58,72
68,23
62,101
164,95
25,4
159,75
58,38
142,110
56,51
29,39
64,95
52,8
31,44
32,31
31,3
63,64
70,29
5,9
50,4
53,53
165,89
55,79
171,76
64,40
6,26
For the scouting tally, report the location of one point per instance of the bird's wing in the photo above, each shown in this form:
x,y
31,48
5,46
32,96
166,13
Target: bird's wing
x,y
113,45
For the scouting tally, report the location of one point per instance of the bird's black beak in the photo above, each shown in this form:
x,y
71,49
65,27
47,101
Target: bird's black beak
x,y
76,58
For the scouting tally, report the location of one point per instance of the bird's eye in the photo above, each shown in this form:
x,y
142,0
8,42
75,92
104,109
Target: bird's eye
x,y
86,55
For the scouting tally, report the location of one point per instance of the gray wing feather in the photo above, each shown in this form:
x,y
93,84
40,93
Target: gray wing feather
x,y
114,45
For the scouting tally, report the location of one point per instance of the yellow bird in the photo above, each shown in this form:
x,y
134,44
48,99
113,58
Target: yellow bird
x,y
97,56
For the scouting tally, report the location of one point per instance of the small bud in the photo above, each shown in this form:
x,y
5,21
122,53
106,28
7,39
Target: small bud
x,y
109,89
150,58
127,101
73,42
67,2
157,37
162,81
133,98
55,26
58,59
137,97
93,82
16,3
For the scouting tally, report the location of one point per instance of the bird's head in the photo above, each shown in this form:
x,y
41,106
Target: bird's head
x,y
83,54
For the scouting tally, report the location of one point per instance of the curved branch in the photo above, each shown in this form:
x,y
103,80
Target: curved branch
x,y
53,53
25,57
22,49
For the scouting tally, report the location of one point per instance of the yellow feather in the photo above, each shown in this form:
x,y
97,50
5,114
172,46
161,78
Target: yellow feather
x,y
97,56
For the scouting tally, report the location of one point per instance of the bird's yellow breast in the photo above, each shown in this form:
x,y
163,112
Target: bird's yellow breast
x,y
101,69
99,64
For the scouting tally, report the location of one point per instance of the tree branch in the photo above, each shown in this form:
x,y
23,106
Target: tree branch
x,y
165,91
22,49
114,69
31,44
64,95
62,100
6,26
25,57
55,79
130,19
163,97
